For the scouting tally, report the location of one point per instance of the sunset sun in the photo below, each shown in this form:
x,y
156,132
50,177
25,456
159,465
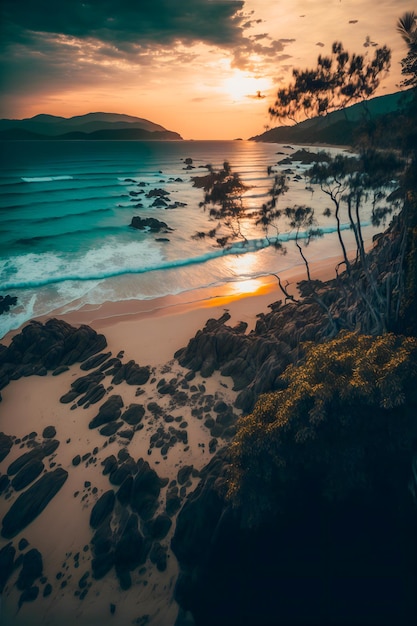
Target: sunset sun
x,y
242,85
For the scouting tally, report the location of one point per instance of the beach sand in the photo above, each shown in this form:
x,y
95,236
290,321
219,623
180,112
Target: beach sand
x,y
149,332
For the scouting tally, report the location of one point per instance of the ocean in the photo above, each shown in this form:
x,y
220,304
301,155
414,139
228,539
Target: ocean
x,y
66,208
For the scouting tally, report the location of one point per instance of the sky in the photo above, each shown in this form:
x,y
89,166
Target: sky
x,y
207,69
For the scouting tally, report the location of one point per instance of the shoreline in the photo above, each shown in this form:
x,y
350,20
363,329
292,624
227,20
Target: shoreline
x,y
149,334
243,300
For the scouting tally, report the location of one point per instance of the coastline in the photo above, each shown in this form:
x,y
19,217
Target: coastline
x,y
148,332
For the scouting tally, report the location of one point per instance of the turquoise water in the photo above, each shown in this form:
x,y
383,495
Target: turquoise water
x,y
65,210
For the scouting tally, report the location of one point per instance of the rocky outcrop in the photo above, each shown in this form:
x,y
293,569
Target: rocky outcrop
x,y
151,224
32,502
42,347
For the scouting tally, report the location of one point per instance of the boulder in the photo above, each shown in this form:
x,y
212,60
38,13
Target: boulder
x,y
7,554
6,443
109,411
149,223
32,502
102,508
27,474
134,414
32,567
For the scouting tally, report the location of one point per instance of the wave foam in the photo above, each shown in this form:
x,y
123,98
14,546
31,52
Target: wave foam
x,y
45,179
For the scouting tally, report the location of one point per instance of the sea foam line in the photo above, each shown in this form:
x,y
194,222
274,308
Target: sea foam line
x,y
253,245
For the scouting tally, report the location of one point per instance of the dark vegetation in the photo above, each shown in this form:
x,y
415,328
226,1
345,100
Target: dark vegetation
x,y
310,515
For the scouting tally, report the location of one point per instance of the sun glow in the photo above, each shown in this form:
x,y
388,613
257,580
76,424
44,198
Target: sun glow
x,y
242,85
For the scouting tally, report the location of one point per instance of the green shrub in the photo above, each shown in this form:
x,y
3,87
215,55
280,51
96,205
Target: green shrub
x,y
345,423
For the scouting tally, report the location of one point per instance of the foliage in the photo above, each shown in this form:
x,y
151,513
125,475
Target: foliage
x,y
407,27
338,80
223,190
347,414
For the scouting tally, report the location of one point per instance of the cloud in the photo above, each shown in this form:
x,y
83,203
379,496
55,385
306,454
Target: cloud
x,y
121,22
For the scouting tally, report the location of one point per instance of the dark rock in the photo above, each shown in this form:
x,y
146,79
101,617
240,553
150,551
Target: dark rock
x,y
126,434
27,474
49,432
108,412
82,583
112,608
6,443
102,508
158,556
32,502
32,568
6,302
124,577
93,395
129,551
173,501
47,590
4,483
149,223
109,464
23,543
28,595
125,490
95,361
158,528
38,453
102,564
146,489
69,397
7,554
184,474
110,429
76,460
119,475
102,541
60,370
134,414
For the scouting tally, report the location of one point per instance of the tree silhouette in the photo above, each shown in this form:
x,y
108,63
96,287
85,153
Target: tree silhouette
x,y
338,81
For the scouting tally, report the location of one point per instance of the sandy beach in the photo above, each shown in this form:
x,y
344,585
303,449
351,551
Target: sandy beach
x,y
148,332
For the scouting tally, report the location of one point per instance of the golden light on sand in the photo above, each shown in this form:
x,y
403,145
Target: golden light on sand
x,y
243,85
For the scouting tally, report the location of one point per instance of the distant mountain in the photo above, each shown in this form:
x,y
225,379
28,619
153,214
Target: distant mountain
x,y
339,127
90,126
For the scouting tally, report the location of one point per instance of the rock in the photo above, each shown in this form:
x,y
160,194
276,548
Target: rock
x,y
32,502
158,556
4,482
6,444
7,554
60,370
102,540
119,475
134,414
125,490
95,361
173,501
49,432
6,302
47,590
158,527
38,453
129,551
110,429
146,488
184,474
102,508
102,564
32,568
28,595
108,412
109,464
27,474
149,223
23,543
